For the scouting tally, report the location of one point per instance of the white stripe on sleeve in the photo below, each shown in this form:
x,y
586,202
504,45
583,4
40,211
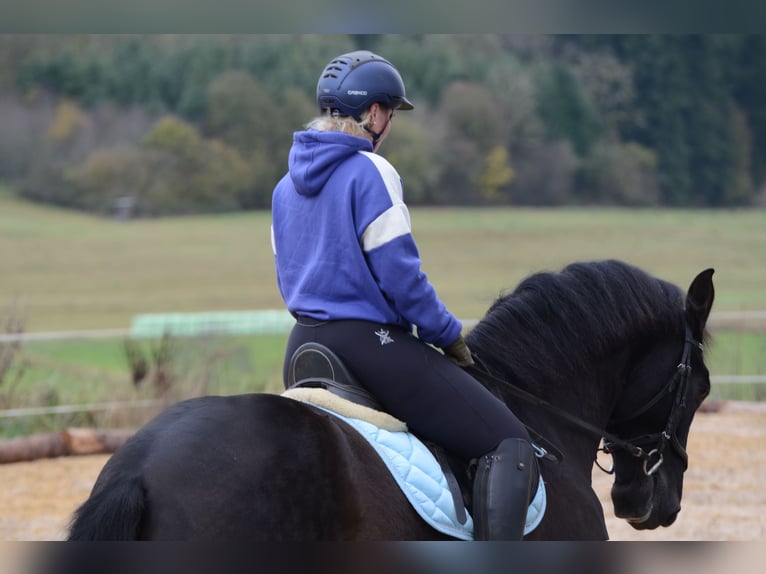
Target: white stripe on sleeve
x,y
392,223
273,243
395,221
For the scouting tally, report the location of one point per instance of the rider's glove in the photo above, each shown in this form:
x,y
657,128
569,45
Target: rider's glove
x,y
458,351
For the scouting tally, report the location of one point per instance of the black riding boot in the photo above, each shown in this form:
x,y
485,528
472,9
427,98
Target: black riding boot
x,y
506,480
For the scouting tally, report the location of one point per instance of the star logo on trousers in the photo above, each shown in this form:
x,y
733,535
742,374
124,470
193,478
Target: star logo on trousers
x,y
385,339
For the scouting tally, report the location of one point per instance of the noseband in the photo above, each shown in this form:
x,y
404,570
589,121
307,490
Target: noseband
x,y
653,459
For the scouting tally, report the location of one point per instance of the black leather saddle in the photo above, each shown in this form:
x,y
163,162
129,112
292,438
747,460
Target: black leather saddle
x,y
315,366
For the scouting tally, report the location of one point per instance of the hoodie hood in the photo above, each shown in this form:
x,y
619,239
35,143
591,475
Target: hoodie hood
x,y
315,155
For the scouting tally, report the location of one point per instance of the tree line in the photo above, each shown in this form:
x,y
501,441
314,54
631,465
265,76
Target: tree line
x,y
189,124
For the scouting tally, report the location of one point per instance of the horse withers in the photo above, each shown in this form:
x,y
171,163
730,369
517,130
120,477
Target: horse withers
x,y
599,349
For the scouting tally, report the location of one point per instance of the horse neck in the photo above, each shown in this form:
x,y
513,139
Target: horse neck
x,y
587,388
589,395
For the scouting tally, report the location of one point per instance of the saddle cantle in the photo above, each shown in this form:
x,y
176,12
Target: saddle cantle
x,y
315,366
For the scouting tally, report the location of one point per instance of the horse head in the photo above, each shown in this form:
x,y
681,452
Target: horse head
x,y
650,454
603,349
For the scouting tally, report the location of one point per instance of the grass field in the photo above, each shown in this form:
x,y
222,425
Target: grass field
x,y
72,271
68,271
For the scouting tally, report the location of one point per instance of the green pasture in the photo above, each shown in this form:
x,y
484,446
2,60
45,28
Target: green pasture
x,y
69,271
62,270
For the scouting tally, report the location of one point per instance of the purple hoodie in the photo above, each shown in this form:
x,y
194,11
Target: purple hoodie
x,y
342,240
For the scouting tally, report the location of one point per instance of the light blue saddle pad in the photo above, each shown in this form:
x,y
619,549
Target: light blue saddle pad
x,y
421,479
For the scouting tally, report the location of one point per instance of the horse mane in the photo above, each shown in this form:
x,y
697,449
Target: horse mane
x,y
554,325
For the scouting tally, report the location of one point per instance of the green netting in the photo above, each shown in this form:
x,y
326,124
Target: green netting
x,y
267,322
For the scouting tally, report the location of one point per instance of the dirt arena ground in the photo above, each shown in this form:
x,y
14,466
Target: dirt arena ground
x,y
724,492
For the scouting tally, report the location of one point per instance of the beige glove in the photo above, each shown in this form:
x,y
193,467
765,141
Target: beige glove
x,y
458,351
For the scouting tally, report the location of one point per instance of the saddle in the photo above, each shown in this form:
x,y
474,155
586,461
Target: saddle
x,y
314,366
316,373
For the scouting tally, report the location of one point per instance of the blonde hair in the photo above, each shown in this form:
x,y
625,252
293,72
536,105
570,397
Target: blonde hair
x,y
345,124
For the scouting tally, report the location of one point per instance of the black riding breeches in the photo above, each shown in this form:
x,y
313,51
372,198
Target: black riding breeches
x,y
439,401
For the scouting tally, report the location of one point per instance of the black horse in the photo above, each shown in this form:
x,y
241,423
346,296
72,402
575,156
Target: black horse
x,y
596,350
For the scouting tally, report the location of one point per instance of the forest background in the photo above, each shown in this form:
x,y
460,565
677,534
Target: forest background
x,y
178,124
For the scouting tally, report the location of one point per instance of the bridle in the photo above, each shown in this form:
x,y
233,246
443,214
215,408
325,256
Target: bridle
x,y
652,458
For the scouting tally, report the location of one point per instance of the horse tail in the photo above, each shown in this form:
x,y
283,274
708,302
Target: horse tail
x,y
112,512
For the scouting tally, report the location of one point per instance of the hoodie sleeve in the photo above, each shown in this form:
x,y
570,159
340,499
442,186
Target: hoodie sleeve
x,y
394,260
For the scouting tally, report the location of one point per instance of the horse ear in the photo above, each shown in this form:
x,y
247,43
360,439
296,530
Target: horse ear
x,y
699,301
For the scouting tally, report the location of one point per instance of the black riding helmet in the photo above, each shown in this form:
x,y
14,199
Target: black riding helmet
x,y
352,82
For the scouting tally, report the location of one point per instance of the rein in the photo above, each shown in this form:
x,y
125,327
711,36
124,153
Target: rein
x,y
653,459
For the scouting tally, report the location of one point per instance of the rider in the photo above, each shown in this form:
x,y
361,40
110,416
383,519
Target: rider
x,y
349,271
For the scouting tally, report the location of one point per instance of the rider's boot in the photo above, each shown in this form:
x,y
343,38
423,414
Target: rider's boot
x,y
506,480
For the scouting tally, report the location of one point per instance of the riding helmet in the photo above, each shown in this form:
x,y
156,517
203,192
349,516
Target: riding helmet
x,y
352,82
